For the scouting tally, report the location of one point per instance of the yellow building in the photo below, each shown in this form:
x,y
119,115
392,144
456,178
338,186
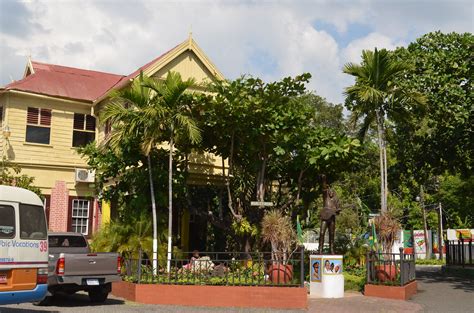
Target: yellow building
x,y
53,110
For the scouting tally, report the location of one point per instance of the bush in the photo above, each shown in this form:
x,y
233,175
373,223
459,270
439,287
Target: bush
x,y
354,278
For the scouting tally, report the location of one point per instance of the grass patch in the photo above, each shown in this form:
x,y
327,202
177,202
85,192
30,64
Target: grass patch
x,y
430,262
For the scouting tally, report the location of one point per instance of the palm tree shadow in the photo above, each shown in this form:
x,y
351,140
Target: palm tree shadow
x,y
456,282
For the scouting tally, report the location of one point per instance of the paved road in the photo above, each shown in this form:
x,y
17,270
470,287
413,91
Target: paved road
x,y
80,303
443,294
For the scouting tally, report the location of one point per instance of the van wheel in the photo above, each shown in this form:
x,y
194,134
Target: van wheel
x,y
98,295
46,301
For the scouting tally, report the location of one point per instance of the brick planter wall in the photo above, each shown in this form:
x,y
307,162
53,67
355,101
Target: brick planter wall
x,y
391,292
213,296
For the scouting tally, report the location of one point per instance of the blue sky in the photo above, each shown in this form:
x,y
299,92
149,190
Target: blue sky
x,y
270,39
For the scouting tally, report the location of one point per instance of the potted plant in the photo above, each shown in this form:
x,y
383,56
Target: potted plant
x,y
387,228
277,229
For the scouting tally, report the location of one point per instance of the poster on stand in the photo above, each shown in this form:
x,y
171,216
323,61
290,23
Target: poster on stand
x,y
332,266
316,270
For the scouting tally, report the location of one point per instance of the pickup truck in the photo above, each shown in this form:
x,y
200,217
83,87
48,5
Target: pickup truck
x,y
72,267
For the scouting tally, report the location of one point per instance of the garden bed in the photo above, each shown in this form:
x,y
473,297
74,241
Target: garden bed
x,y
213,296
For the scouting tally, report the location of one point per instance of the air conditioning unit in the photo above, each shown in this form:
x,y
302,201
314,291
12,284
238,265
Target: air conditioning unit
x,y
84,175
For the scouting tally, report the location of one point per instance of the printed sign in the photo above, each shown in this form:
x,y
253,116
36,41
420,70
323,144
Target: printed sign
x,y
315,269
408,242
332,267
419,239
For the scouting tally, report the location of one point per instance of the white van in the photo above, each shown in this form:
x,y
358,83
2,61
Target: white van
x,y
23,246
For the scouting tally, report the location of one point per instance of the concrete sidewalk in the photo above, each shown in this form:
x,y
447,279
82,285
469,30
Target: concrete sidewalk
x,y
355,302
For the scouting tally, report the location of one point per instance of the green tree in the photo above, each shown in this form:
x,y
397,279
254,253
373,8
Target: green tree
x,y
375,97
175,119
136,115
10,175
438,138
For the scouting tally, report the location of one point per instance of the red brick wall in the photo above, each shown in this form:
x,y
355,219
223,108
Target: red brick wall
x,y
391,292
214,296
58,211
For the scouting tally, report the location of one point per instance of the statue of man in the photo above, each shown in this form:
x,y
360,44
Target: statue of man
x,y
328,214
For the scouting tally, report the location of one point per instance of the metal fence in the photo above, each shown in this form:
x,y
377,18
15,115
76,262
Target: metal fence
x,y
219,268
390,268
459,252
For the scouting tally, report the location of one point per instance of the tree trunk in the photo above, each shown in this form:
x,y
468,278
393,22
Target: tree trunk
x,y
261,180
155,226
170,203
425,226
383,206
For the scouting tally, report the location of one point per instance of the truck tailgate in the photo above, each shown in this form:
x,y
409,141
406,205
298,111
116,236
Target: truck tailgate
x,y
90,264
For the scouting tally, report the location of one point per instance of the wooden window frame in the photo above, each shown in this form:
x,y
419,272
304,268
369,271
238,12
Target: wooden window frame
x,y
88,120
89,217
39,119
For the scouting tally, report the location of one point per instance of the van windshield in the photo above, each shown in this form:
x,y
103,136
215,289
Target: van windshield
x,y
66,241
32,222
7,222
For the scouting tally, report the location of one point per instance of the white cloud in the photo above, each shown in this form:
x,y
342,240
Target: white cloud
x,y
266,39
352,53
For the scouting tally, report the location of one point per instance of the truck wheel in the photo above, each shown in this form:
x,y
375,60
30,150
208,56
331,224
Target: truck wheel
x,y
98,295
46,301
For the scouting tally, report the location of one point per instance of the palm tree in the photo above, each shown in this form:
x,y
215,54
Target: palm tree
x,y
177,119
376,95
136,115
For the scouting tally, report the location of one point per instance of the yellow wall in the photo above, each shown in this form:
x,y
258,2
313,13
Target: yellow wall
x,y
47,163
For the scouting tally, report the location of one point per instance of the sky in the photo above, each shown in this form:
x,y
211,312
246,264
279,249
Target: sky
x,y
268,39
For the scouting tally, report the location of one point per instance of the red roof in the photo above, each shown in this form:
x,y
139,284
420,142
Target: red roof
x,y
73,83
66,82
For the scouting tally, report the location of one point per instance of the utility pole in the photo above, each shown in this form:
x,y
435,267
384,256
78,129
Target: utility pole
x,y
440,236
422,203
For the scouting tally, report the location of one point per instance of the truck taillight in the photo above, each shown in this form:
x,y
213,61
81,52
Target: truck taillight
x,y
42,276
60,266
119,265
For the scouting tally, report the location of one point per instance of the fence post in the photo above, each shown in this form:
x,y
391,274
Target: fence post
x,y
367,265
470,252
139,265
402,267
302,265
462,252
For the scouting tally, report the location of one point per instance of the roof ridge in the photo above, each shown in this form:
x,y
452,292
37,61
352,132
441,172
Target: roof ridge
x,y
74,68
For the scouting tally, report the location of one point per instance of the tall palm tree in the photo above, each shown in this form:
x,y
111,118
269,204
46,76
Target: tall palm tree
x,y
375,96
177,119
135,114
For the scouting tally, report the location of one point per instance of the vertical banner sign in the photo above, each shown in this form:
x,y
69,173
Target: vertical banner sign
x,y
408,242
434,240
419,241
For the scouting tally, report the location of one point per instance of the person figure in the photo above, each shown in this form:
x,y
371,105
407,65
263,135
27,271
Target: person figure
x,y
316,271
328,214
192,260
327,267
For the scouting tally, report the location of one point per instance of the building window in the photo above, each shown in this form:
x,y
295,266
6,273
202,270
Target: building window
x,y
38,125
80,216
84,130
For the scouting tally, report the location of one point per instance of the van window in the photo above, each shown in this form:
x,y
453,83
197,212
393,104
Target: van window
x,y
7,222
66,241
32,222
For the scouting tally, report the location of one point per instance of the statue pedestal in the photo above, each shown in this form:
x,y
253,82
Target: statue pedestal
x,y
326,279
